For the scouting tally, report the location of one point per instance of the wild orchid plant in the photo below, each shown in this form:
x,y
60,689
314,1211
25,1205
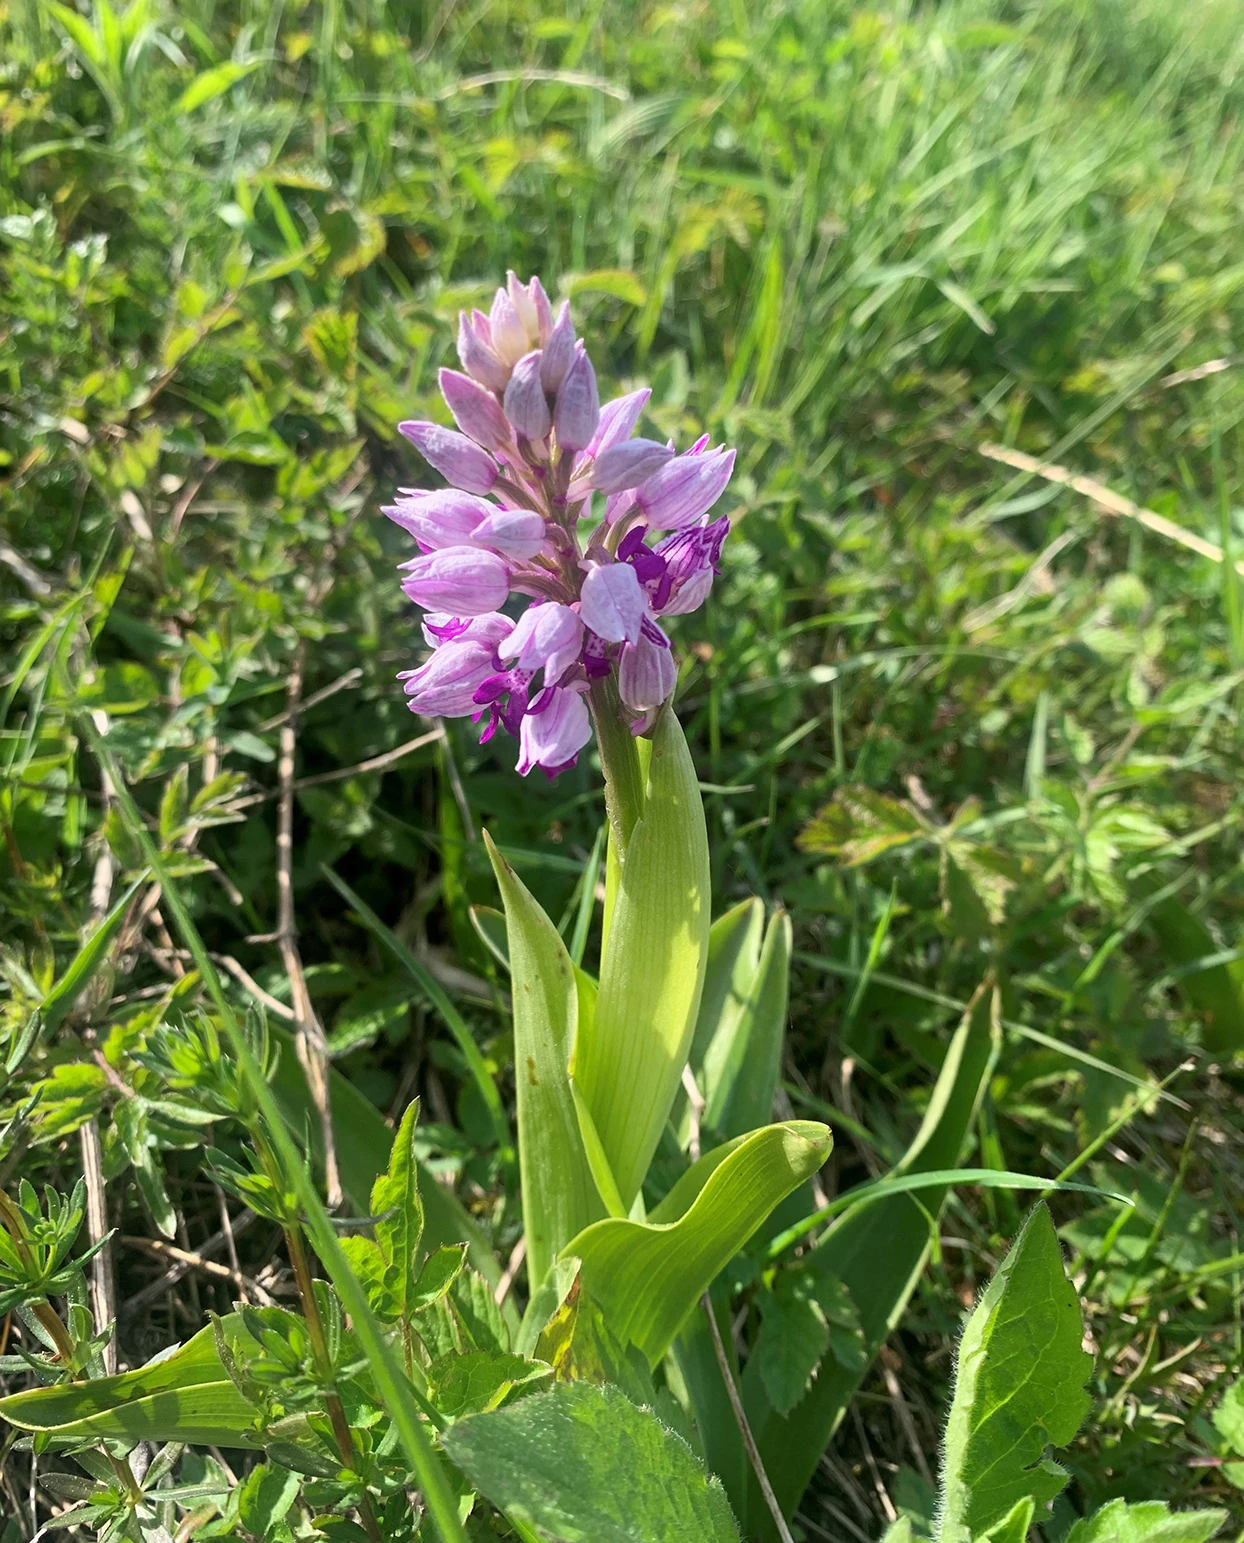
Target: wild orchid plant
x,y
566,1419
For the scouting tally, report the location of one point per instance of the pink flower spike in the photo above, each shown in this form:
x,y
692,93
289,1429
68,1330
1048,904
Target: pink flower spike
x,y
477,355
476,411
458,459
460,579
613,603
553,737
525,403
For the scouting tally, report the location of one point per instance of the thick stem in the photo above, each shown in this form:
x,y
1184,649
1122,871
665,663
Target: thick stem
x,y
323,1361
619,759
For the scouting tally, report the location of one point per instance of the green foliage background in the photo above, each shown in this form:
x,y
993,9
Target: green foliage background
x,y
859,244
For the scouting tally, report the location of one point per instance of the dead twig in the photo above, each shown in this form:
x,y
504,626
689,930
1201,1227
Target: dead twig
x,y
141,1300
311,1043
513,1265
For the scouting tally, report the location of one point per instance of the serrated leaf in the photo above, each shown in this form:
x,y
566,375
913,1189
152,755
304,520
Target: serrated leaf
x,y
581,1463
559,1196
628,1064
1151,1521
859,824
792,1339
1019,1388
186,1396
440,1270
398,1210
467,1384
648,1276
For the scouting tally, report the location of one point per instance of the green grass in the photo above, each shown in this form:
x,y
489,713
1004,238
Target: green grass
x,y
857,243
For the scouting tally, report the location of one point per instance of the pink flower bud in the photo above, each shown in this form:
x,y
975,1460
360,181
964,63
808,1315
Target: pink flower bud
x,y
627,464
440,519
440,628
524,305
509,336
458,459
516,534
577,411
685,489
647,675
476,411
558,351
613,603
479,358
525,404
617,420
445,686
552,736
546,637
463,580
544,313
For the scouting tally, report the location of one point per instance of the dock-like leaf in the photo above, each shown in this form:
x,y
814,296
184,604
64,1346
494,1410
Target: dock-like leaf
x,y
648,1276
1019,1388
630,1066
581,1463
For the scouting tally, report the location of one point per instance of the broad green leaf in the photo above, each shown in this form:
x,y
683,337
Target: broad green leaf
x,y
213,83
558,1192
878,1253
581,1463
468,1384
1150,1521
264,1497
85,963
739,1094
578,1343
630,1065
1019,1388
648,1276
729,975
187,1396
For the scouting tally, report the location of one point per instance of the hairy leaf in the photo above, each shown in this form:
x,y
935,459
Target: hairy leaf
x,y
581,1463
1019,1388
1150,1521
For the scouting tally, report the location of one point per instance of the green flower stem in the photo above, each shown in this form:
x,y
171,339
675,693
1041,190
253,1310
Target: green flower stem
x,y
619,760
386,1368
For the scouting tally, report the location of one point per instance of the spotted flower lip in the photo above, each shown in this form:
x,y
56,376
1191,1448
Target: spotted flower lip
x,y
532,449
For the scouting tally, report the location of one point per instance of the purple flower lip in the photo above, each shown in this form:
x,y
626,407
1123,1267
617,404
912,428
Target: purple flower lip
x,y
531,449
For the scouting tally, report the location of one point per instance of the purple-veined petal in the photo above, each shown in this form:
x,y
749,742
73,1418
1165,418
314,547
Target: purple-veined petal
x,y
613,603
461,579
577,411
440,519
553,737
476,411
526,406
685,489
445,686
509,336
647,674
627,464
517,534
558,352
479,358
547,637
458,459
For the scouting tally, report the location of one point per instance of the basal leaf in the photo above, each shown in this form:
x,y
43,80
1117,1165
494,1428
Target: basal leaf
x,y
630,1065
1019,1388
648,1276
187,1397
581,1463
1150,1521
558,1193
740,1089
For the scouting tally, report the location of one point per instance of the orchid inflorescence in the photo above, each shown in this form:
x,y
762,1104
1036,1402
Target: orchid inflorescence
x,y
535,446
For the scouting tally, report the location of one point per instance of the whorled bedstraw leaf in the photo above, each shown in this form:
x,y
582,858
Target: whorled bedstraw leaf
x,y
582,1464
1019,1388
648,1276
629,1065
1149,1521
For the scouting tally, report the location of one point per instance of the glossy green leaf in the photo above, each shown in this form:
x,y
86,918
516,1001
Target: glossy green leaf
x,y
740,1087
1019,1388
581,1463
1149,1521
648,1276
878,1253
630,1065
558,1193
188,1397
